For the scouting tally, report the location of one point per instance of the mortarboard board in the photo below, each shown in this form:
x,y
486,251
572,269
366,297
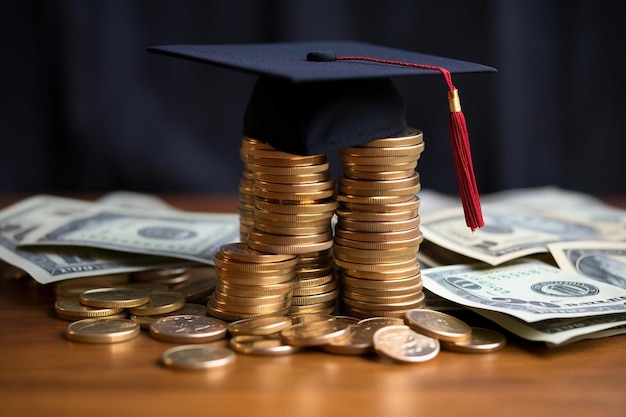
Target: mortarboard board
x,y
320,97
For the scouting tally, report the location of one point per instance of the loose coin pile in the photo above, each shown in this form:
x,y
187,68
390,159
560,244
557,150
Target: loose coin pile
x,y
252,283
377,234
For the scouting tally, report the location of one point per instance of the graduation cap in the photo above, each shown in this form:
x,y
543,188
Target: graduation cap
x,y
320,97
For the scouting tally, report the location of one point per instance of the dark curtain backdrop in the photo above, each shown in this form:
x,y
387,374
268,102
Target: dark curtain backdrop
x,y
86,108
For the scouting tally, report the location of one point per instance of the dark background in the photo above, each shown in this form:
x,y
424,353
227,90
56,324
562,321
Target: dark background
x,y
85,108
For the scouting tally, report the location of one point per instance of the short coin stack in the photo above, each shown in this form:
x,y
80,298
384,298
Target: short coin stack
x,y
377,234
251,283
317,290
293,207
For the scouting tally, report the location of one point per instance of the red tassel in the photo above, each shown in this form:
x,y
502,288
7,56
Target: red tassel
x,y
459,140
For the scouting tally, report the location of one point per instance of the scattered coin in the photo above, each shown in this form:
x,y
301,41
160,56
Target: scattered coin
x,y
160,303
197,357
261,345
72,309
114,297
314,333
482,341
102,330
439,325
188,329
259,326
404,345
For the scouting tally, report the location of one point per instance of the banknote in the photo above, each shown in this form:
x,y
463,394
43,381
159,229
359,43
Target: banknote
x,y
46,265
509,232
527,289
185,235
557,332
601,261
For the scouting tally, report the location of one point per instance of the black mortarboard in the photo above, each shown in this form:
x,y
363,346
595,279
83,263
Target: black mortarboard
x,y
319,97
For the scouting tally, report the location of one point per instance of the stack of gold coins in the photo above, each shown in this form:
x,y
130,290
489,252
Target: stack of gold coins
x,y
251,283
317,290
293,199
377,234
293,207
246,188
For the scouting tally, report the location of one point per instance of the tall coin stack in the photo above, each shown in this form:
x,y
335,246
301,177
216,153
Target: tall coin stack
x,y
251,283
293,207
377,234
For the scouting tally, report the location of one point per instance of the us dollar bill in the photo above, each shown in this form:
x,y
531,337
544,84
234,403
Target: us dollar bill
x,y
600,261
557,332
51,265
527,289
523,222
176,234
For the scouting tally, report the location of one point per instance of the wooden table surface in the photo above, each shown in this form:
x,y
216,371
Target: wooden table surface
x,y
44,374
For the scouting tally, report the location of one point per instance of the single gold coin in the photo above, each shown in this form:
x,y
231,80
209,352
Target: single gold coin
x,y
188,329
260,167
413,242
372,159
386,292
379,236
250,310
292,230
308,317
313,333
222,263
234,300
325,206
385,152
188,309
439,325
409,204
160,303
409,136
232,316
257,290
377,216
379,166
412,303
114,297
404,345
197,357
373,199
379,267
378,226
294,197
327,307
312,187
261,345
259,326
481,341
243,253
349,183
102,330
384,285
293,179
292,217
357,174
390,275
315,290
292,248
73,309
